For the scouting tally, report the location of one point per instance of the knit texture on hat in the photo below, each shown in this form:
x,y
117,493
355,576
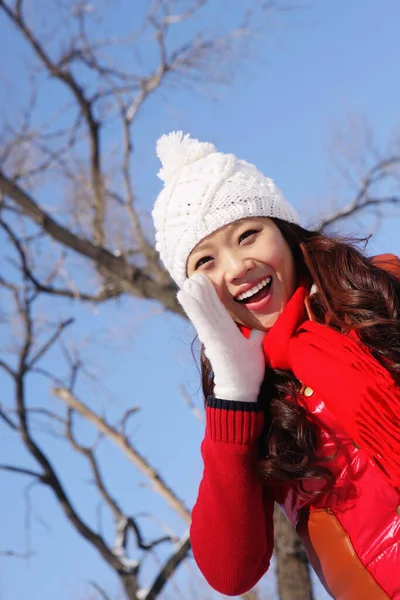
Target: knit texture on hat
x,y
203,191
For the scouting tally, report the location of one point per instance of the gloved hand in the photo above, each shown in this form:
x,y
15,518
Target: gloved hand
x,y
238,363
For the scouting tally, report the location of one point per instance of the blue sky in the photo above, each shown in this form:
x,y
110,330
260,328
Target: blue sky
x,y
315,70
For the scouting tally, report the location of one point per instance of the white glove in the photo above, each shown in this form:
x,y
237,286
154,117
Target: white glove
x,y
238,363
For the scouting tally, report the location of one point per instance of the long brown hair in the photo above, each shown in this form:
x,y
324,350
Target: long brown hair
x,y
353,293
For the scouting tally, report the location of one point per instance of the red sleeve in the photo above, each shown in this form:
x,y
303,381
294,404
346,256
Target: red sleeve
x,y
232,526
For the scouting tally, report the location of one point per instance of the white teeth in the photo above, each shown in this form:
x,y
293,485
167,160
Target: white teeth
x,y
254,289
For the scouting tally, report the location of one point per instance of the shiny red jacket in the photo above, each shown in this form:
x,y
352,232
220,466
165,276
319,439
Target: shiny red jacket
x,y
352,535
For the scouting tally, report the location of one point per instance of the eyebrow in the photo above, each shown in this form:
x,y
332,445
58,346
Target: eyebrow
x,y
231,228
201,249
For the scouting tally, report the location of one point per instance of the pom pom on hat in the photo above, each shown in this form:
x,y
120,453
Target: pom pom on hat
x,y
176,150
203,191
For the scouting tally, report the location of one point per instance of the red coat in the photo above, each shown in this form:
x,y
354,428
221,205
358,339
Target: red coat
x,y
352,536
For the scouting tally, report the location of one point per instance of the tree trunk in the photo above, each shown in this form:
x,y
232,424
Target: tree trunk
x,y
292,568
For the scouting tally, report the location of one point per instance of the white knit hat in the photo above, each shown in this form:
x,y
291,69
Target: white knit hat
x,y
205,190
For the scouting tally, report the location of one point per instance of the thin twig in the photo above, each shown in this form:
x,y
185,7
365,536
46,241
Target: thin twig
x,y
131,452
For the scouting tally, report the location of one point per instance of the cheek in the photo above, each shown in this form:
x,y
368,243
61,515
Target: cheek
x,y
281,260
278,255
289,273
215,279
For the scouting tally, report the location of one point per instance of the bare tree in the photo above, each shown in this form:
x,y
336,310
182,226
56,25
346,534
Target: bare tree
x,y
367,176
84,150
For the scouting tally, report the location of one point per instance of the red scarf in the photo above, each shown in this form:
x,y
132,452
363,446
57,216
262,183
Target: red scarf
x,y
357,389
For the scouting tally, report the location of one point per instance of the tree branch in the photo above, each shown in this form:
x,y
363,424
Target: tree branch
x,y
127,523
22,471
7,420
13,554
50,342
356,208
128,278
159,485
49,476
65,76
363,199
89,454
7,368
181,552
100,591
54,483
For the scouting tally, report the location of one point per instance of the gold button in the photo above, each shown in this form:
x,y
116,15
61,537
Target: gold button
x,y
356,446
308,391
398,510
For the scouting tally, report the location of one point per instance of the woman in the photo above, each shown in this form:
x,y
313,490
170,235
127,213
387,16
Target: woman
x,y
301,374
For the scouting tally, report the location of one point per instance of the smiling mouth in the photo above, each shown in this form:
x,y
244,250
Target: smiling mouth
x,y
255,293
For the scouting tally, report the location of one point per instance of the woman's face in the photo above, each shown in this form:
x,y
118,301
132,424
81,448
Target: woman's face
x,y
252,268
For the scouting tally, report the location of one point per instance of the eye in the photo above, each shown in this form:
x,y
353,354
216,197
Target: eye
x,y
202,261
247,234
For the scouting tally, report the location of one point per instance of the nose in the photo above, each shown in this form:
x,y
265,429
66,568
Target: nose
x,y
236,267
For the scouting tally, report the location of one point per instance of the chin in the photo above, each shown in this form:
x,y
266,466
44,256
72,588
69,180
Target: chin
x,y
268,321
262,322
